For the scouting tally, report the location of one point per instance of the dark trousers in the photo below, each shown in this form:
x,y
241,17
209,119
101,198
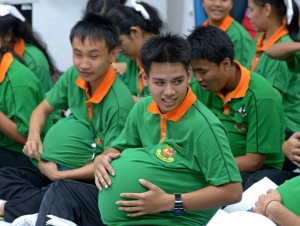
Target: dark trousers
x,y
275,175
72,200
10,158
24,188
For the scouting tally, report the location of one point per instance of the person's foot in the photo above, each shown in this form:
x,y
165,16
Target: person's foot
x,y
2,204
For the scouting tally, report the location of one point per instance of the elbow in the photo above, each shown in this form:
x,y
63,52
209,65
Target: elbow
x,y
236,193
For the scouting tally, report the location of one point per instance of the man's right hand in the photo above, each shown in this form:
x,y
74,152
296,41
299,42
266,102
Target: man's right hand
x,y
102,166
32,148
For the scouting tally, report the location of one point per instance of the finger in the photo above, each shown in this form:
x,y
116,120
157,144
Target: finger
x,y
137,214
132,195
128,203
101,173
147,184
129,209
98,183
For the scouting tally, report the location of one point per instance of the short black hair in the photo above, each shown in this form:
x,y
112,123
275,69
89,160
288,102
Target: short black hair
x,y
165,48
211,43
96,27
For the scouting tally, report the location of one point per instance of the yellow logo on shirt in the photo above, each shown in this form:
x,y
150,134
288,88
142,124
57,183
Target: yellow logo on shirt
x,y
166,154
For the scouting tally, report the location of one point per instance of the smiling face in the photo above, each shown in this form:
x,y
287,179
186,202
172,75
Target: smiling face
x,y
217,10
168,84
209,75
92,59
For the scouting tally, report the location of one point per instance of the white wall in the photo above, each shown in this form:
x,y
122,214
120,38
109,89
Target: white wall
x,y
53,20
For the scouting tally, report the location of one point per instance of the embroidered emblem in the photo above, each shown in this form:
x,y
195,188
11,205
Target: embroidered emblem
x,y
166,154
242,111
240,127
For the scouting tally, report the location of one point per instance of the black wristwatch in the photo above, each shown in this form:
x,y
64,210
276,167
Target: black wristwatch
x,y
178,205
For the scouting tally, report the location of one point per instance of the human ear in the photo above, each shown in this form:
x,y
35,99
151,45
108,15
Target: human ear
x,y
145,78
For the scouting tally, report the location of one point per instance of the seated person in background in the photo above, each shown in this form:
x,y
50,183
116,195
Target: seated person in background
x,y
20,93
171,144
19,36
136,24
99,102
218,15
281,205
102,7
272,20
247,105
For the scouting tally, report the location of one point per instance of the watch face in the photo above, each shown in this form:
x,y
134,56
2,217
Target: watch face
x,y
178,212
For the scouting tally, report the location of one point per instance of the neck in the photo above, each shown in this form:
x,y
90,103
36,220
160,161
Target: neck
x,y
215,23
233,80
272,29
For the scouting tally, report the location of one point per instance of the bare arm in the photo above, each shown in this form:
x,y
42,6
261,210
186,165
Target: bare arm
x,y
283,50
9,128
155,200
37,121
270,206
249,163
281,215
50,170
291,149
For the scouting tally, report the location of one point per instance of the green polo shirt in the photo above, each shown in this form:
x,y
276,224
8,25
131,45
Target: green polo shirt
x,y
242,42
254,118
290,194
130,77
38,64
69,142
240,38
20,93
181,151
286,81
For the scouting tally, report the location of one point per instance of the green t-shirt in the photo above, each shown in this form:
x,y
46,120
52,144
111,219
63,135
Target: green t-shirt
x,y
20,93
255,122
242,42
38,64
195,154
278,74
69,142
290,194
130,77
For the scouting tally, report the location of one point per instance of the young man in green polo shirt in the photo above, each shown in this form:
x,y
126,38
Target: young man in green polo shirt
x,y
99,103
171,143
246,104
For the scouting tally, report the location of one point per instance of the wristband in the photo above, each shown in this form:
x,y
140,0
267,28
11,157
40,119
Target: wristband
x,y
268,205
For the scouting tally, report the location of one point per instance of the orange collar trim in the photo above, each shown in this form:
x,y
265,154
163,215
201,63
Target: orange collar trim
x,y
103,88
6,61
225,24
20,47
177,113
139,64
241,89
260,47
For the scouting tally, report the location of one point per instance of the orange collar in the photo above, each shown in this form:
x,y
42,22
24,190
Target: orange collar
x,y
261,47
225,24
177,113
140,75
20,47
6,61
275,37
103,88
240,90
